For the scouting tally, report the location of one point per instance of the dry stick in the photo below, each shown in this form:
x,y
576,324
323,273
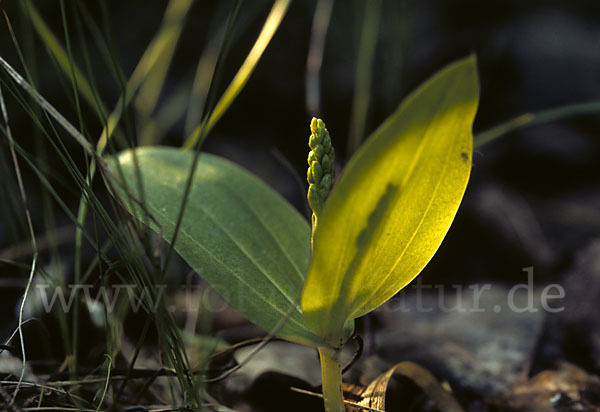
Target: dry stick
x,y
8,401
31,233
318,395
43,389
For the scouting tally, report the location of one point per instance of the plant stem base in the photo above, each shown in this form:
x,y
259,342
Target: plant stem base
x,y
331,372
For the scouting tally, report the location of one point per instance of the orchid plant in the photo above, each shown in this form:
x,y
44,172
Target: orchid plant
x,y
372,232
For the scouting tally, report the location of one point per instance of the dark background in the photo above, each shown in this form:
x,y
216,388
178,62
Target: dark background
x,y
534,195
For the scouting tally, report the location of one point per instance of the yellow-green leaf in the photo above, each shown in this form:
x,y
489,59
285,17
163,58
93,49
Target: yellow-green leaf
x,y
394,203
250,245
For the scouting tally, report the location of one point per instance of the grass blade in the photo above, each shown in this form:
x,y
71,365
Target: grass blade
x,y
66,63
241,78
532,119
314,61
364,74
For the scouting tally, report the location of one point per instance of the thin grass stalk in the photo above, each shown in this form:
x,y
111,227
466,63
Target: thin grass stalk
x,y
31,233
204,88
314,61
64,59
271,25
532,119
364,75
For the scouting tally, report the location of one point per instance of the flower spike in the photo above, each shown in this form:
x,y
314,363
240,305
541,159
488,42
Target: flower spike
x,y
321,171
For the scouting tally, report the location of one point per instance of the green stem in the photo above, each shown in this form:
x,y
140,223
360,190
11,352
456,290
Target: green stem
x,y
331,373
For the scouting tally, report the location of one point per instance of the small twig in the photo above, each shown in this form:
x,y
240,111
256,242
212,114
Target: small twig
x,y
318,395
43,388
8,400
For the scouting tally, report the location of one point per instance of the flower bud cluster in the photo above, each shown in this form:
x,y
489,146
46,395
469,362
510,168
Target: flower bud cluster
x,y
321,171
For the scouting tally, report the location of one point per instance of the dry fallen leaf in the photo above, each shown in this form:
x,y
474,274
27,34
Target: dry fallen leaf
x,y
374,395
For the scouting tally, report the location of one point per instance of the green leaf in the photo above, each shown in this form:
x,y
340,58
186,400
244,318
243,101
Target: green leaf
x,y
237,233
393,204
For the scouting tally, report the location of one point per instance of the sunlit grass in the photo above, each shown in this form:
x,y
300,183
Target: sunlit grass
x,y
108,247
